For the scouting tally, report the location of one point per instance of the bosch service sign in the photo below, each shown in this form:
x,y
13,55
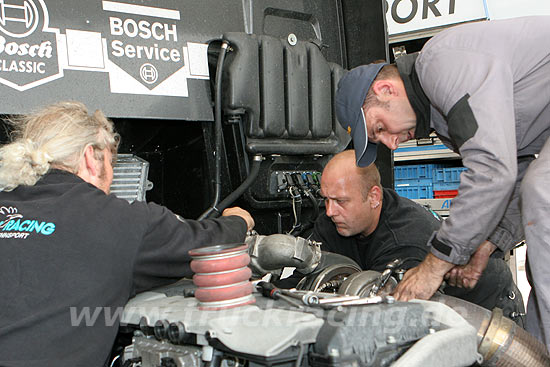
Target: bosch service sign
x,y
143,41
28,47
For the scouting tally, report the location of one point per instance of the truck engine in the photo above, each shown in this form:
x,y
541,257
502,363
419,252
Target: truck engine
x,y
231,102
339,316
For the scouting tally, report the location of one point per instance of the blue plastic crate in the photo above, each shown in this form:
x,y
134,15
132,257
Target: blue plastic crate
x,y
447,178
415,189
415,171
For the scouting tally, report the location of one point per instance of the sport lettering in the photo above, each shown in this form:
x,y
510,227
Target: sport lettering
x,y
427,6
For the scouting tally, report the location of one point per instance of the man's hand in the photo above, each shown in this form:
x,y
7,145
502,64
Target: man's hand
x,y
424,280
241,213
467,276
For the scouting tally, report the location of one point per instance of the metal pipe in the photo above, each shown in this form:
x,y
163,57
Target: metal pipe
x,y
501,342
276,251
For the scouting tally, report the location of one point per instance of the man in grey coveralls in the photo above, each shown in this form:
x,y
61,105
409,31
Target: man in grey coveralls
x,y
485,90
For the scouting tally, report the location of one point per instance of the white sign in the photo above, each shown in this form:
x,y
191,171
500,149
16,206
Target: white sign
x,y
503,9
28,46
403,16
141,56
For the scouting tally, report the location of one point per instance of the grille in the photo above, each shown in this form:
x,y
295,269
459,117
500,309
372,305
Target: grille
x,y
130,178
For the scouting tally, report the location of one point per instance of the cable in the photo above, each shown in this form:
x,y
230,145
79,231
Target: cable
x,y
296,208
242,187
114,360
218,132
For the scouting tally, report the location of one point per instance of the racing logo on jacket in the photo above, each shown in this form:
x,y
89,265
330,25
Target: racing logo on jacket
x,y
28,47
13,224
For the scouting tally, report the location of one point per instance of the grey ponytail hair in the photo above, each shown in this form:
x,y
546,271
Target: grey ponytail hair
x,y
54,137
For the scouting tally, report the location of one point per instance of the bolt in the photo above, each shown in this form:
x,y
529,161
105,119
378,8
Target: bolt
x,y
391,339
431,331
310,299
334,352
390,299
292,39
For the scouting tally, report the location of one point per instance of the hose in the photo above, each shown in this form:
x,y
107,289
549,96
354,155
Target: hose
x,y
501,342
311,222
218,132
256,162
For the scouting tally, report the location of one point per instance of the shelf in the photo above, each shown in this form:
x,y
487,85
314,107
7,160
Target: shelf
x,y
440,206
431,148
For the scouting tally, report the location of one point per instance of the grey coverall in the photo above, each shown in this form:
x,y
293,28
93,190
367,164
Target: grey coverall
x,y
485,90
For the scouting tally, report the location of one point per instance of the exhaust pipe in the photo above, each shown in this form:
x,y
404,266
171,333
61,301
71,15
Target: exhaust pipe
x,y
501,342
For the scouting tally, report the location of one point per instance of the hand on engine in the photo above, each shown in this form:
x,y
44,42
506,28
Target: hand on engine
x,y
241,213
424,280
467,276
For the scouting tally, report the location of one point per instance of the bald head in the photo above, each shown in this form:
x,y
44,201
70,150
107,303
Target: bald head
x,y
343,166
353,195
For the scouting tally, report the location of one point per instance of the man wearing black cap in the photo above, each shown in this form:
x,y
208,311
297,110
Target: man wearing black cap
x,y
485,90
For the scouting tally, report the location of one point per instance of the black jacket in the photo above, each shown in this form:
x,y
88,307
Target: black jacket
x,y
403,231
71,257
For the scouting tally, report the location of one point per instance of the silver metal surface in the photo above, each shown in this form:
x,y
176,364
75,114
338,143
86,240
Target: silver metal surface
x,y
130,178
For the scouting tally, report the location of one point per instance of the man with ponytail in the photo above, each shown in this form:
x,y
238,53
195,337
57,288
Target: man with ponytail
x,y
71,255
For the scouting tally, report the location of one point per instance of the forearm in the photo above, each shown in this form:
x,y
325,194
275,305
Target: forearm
x,y
437,266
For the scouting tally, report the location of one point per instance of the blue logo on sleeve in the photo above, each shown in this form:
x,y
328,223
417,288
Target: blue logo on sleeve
x,y
14,225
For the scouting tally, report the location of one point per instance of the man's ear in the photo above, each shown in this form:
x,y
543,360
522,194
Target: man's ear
x,y
90,161
384,89
88,168
375,197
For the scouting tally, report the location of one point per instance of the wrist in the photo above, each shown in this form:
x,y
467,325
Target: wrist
x,y
487,248
436,265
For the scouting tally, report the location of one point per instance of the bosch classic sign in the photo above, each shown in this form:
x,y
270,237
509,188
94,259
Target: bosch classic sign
x,y
403,16
28,47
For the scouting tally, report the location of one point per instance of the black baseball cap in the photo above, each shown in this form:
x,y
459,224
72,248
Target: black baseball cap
x,y
350,96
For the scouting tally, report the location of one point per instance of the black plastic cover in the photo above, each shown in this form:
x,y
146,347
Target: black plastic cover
x,y
287,92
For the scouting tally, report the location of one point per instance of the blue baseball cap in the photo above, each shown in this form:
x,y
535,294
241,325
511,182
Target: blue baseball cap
x,y
350,96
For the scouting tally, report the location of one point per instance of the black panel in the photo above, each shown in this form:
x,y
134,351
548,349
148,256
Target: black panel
x,y
366,40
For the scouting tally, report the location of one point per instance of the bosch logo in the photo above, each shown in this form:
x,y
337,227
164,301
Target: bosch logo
x,y
18,19
148,73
